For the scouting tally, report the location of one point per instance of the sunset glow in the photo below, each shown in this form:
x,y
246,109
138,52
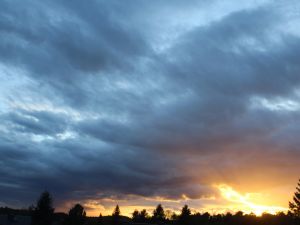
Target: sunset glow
x,y
246,203
228,200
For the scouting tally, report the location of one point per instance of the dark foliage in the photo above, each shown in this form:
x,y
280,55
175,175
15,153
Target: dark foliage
x,y
9,211
294,205
100,219
140,217
159,214
43,212
116,215
76,216
184,217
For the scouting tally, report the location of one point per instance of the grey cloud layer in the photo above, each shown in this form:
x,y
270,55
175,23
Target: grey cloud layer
x,y
147,122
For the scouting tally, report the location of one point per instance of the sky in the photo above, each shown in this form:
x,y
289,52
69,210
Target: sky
x,y
142,102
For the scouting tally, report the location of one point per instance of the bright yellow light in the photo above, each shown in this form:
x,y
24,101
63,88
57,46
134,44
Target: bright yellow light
x,y
245,203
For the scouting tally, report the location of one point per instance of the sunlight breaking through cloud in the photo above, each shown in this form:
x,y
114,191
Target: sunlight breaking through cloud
x,y
245,202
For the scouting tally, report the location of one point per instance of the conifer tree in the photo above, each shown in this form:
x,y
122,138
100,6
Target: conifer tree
x,y
159,214
294,205
116,215
185,214
117,211
100,219
43,212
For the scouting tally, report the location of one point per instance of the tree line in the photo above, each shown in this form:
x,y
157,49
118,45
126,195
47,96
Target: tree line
x,y
43,214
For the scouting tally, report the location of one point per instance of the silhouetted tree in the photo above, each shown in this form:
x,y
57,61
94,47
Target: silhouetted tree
x,y
135,216
185,214
116,211
140,217
100,219
143,216
205,217
159,214
239,214
174,217
76,216
294,205
116,215
43,212
238,218
228,217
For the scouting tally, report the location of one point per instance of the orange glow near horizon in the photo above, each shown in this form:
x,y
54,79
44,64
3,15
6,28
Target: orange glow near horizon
x,y
246,203
228,200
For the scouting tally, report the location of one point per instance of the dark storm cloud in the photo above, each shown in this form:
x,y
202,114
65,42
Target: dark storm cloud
x,y
77,171
63,46
144,121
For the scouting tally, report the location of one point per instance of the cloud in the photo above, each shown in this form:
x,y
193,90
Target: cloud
x,y
107,100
